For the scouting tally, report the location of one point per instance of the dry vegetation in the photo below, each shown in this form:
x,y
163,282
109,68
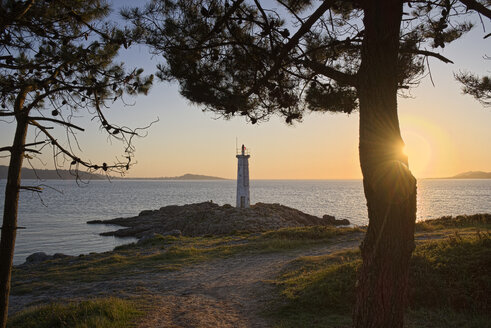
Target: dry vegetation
x,y
311,279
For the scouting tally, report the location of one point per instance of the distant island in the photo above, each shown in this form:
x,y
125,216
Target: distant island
x,y
70,175
472,175
51,174
187,176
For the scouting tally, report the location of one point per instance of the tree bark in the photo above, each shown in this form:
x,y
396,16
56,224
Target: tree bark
x,y
390,188
9,226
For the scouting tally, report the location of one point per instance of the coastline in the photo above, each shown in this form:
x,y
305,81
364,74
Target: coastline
x,y
171,273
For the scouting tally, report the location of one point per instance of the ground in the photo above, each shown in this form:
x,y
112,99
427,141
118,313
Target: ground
x,y
221,292
227,281
228,292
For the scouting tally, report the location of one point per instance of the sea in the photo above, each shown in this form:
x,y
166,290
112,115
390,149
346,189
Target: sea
x,y
55,221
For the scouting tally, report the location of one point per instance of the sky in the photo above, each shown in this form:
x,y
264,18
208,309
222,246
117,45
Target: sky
x,y
446,133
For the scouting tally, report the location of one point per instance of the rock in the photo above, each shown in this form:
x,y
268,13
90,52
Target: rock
x,y
175,233
332,220
342,222
208,218
42,256
95,222
146,212
145,238
329,218
38,257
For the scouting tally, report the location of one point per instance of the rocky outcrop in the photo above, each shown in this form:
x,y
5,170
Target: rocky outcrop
x,y
332,220
42,256
209,218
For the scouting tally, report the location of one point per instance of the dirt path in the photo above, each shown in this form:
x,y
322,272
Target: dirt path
x,y
221,293
225,292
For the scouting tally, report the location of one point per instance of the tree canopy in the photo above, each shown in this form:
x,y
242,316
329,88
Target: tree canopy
x,y
257,58
478,87
56,59
285,57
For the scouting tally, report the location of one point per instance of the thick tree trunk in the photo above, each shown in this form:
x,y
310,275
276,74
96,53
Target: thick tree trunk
x,y
389,186
9,226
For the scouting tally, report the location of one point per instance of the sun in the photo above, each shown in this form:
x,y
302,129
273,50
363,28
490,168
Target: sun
x,y
404,150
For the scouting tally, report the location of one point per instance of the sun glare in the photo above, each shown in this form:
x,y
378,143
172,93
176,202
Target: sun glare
x,y
429,151
404,150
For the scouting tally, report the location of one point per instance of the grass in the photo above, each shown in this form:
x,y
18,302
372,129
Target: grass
x,y
449,283
100,313
446,225
453,274
479,221
163,254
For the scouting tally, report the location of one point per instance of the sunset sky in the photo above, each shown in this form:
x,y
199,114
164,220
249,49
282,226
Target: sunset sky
x,y
445,132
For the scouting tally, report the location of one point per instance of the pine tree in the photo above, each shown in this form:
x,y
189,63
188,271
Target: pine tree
x,y
256,59
478,87
56,59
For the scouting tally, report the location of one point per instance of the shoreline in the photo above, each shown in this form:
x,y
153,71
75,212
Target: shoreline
x,y
231,272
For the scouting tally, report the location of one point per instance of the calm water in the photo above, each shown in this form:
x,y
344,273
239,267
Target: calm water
x,y
56,222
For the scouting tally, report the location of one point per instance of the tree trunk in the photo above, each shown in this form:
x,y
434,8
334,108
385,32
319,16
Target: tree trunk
x,y
9,226
390,188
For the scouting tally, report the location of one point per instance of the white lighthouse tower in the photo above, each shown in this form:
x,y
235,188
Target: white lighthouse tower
x,y
243,197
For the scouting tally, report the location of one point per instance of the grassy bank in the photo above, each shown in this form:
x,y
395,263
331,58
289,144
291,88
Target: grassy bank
x,y
101,313
450,282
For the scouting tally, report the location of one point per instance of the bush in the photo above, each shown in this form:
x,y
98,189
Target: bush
x,y
447,276
452,274
459,221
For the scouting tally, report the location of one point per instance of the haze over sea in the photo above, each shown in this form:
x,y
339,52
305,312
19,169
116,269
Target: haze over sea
x,y
56,222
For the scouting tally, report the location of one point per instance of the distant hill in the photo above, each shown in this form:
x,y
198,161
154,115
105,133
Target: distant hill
x,y
50,174
472,175
187,176
66,175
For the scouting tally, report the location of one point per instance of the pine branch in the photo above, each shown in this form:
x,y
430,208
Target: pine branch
x,y
32,150
219,24
40,118
13,17
340,77
427,53
30,188
292,43
476,6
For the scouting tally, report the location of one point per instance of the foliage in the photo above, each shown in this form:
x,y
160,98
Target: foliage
x,y
256,59
453,274
459,221
101,313
56,59
478,87
449,279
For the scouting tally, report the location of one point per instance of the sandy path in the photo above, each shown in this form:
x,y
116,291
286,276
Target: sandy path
x,y
224,292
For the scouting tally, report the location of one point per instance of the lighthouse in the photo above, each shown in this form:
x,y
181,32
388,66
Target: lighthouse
x,y
243,199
